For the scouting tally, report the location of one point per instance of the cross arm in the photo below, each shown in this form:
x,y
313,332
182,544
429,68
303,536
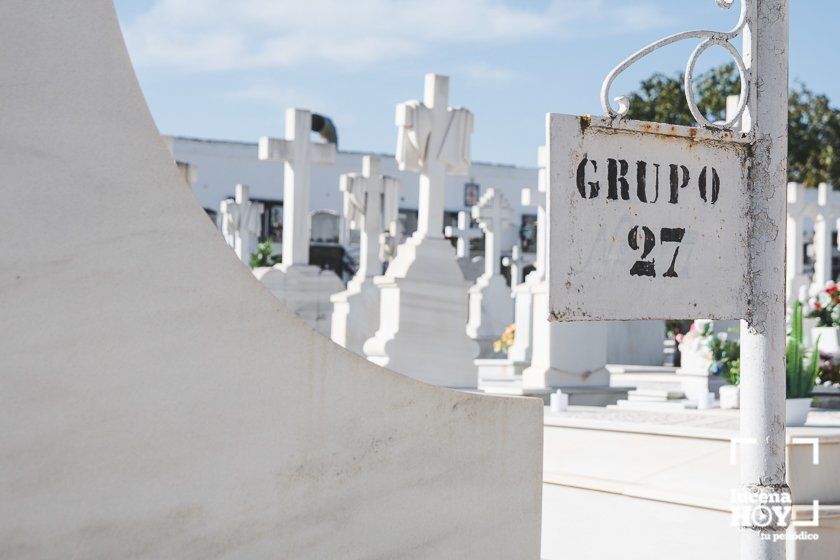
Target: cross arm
x,y
274,149
323,153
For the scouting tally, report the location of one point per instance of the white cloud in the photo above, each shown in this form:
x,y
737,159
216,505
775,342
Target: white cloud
x,y
486,72
211,35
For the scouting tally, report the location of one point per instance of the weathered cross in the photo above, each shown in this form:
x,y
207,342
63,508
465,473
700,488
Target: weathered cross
x,y
464,233
298,152
536,197
517,261
433,139
370,205
241,224
493,214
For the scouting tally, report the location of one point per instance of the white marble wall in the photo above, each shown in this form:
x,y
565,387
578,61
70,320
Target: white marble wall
x,y
165,405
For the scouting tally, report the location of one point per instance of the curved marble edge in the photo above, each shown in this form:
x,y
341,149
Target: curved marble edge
x,y
157,401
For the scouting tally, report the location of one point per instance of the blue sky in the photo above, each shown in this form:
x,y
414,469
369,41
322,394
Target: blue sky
x,y
227,69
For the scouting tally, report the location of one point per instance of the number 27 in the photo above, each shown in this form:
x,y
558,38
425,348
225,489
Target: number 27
x,y
644,234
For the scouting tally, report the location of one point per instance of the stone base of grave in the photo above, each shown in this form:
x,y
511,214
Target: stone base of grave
x,y
305,290
490,312
523,312
471,267
536,377
355,314
662,387
827,397
636,342
661,483
423,314
580,395
500,375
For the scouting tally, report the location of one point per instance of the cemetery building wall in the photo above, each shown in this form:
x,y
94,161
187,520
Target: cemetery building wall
x,y
221,164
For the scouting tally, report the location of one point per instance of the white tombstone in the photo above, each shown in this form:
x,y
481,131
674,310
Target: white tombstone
x,y
370,206
516,262
464,232
421,329
825,222
389,242
168,407
561,354
797,208
303,288
490,308
696,357
638,343
241,223
523,292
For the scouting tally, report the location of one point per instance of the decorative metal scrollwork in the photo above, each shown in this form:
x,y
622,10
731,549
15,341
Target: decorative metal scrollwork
x,y
710,38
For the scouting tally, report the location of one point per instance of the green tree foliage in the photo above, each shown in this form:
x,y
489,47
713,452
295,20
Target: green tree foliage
x,y
814,125
813,138
661,98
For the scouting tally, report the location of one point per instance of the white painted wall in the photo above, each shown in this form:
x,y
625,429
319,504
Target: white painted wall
x,y
157,402
222,164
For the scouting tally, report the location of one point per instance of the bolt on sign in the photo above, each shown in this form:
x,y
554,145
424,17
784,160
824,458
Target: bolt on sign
x,y
647,221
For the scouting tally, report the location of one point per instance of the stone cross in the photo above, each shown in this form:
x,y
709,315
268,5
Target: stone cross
x,y
298,152
517,262
241,224
494,215
537,197
370,205
464,233
433,139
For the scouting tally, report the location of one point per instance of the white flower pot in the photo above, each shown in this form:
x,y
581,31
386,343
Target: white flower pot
x,y
796,411
730,396
829,341
808,326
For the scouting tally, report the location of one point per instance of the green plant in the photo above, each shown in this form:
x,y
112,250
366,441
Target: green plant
x,y
726,355
801,375
263,255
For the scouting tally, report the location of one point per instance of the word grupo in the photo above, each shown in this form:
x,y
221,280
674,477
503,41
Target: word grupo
x,y
647,180
646,187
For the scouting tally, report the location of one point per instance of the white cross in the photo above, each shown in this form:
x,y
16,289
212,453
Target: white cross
x,y
241,224
493,214
433,139
464,233
371,206
537,197
298,152
517,262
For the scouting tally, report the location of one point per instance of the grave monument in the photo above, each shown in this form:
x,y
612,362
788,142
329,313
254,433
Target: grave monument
x,y
463,232
241,221
305,289
490,308
370,206
423,293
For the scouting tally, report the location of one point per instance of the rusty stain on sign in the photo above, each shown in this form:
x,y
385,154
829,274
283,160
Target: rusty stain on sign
x,y
647,220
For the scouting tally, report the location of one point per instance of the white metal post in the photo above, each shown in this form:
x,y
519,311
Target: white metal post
x,y
763,467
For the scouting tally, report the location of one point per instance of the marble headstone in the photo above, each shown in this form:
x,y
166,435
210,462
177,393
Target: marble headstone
x,y
303,288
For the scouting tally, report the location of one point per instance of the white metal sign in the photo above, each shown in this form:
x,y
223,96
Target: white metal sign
x,y
647,221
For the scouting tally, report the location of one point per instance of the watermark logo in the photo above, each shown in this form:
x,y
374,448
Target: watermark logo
x,y
765,507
